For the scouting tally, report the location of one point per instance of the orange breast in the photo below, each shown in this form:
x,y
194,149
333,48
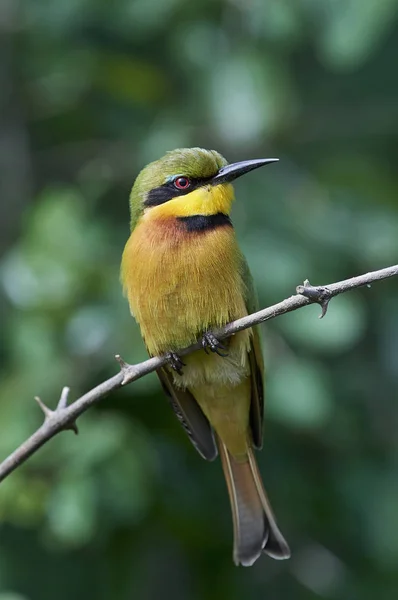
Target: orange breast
x,y
180,284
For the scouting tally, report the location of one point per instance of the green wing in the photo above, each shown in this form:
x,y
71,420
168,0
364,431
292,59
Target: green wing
x,y
190,416
256,361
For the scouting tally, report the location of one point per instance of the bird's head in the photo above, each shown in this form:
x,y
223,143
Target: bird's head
x,y
187,182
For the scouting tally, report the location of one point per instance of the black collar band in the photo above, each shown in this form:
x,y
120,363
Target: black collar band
x,y
205,222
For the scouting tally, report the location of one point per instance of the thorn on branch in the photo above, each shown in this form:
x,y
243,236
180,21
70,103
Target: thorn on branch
x,y
61,406
318,294
124,367
63,401
47,411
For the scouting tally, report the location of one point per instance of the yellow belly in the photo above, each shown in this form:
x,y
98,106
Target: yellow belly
x,y
181,284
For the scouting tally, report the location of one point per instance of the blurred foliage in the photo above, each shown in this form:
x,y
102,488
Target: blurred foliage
x,y
89,92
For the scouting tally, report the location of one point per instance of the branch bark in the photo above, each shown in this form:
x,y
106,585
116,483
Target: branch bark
x,y
64,416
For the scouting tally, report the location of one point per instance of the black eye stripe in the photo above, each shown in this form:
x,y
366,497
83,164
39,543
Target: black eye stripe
x,y
168,191
160,195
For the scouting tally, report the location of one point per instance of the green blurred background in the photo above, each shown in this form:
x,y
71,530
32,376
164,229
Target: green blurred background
x,y
90,91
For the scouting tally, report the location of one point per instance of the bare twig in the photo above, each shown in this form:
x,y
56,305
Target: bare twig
x,y
64,416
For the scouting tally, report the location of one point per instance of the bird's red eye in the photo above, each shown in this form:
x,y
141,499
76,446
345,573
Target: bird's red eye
x,y
182,183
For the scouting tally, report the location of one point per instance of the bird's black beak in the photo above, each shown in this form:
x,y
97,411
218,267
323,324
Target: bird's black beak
x,y
230,172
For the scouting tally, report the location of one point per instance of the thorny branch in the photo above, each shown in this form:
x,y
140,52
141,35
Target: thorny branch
x,y
64,416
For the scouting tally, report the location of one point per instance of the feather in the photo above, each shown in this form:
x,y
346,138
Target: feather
x,y
180,284
256,360
255,528
257,390
190,416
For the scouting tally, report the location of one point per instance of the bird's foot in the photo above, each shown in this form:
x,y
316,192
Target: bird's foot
x,y
175,362
209,341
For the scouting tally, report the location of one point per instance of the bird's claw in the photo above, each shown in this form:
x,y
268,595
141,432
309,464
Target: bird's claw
x,y
209,341
175,362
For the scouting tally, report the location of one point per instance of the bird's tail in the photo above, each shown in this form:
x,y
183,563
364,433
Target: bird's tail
x,y
255,528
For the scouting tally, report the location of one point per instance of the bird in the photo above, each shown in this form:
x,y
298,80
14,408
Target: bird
x,y
185,276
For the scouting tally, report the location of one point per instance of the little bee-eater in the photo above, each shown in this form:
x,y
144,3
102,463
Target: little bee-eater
x,y
184,276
